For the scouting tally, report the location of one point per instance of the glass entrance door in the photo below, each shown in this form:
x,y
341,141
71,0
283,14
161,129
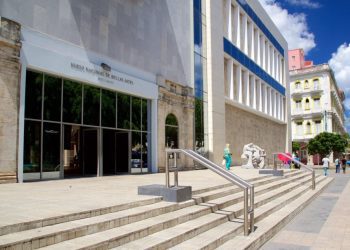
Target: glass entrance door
x,y
115,152
90,151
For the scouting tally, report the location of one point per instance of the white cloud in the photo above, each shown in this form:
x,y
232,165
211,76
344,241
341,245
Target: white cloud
x,y
340,63
305,3
292,26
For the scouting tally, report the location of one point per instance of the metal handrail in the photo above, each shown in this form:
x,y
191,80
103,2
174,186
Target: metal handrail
x,y
313,180
244,185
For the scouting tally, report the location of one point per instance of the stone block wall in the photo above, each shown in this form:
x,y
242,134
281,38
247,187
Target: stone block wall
x,y
243,127
177,100
9,94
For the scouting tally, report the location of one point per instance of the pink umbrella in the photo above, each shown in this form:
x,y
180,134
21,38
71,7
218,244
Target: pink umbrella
x,y
284,158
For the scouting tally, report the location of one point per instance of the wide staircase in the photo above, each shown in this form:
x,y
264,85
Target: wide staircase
x,y
212,219
8,178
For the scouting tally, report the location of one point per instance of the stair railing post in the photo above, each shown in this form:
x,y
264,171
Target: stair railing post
x,y
313,180
176,172
252,209
246,228
167,184
274,162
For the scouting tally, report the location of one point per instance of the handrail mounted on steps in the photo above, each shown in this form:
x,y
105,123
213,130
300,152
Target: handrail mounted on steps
x,y
310,169
235,179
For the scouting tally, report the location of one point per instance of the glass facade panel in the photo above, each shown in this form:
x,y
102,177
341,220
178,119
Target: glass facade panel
x,y
72,94
136,155
144,115
34,89
91,105
136,113
144,151
52,98
32,147
108,108
51,147
123,111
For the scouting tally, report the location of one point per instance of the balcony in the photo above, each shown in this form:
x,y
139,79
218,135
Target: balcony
x,y
309,91
314,112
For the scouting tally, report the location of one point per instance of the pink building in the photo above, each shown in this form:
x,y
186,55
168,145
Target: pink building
x,y
296,60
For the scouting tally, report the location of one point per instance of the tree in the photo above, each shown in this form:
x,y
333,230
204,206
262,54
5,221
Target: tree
x,y
325,143
295,146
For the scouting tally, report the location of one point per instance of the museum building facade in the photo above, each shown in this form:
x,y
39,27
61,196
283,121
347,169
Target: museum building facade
x,y
93,89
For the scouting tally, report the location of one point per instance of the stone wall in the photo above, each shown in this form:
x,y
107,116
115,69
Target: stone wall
x,y
9,94
243,127
177,100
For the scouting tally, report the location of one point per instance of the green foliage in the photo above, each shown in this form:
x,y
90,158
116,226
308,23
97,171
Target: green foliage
x,y
295,146
325,143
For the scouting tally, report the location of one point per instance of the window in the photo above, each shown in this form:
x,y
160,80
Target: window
x,y
308,128
171,131
297,85
307,104
306,85
316,84
299,128
293,57
318,127
317,103
298,105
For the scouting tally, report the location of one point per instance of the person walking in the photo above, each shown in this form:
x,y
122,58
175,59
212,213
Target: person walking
x,y
337,166
227,156
343,164
325,161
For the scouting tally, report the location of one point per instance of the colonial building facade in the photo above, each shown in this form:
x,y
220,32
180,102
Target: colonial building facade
x,y
316,103
102,88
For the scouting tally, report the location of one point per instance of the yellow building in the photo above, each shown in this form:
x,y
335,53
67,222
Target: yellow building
x,y
316,105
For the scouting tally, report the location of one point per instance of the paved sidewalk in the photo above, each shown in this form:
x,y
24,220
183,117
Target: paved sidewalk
x,y
324,224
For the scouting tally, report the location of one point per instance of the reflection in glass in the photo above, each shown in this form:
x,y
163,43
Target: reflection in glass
x,y
71,102
109,152
108,108
123,111
51,147
171,131
91,105
136,113
136,159
33,95
144,115
32,138
72,151
144,151
52,98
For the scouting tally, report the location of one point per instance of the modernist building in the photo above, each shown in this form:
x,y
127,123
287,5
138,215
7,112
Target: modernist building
x,y
96,88
316,101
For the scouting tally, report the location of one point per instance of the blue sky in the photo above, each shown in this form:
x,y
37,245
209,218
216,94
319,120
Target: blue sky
x,y
321,28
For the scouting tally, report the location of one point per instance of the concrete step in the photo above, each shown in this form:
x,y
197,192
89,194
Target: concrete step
x,y
72,229
217,236
6,178
231,189
123,234
18,227
176,235
271,225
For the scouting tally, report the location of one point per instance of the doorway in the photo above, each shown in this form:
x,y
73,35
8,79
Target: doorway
x,y
80,152
115,152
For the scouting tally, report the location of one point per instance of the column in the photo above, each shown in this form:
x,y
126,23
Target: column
x,y
262,51
267,53
239,82
246,87
260,89
283,108
230,79
271,101
251,40
229,20
278,68
273,62
236,27
154,136
245,34
257,46
254,92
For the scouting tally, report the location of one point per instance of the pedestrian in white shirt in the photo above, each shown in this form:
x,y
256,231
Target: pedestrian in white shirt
x,y
325,161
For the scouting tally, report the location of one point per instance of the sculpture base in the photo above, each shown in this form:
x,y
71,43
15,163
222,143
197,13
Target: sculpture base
x,y
172,194
277,172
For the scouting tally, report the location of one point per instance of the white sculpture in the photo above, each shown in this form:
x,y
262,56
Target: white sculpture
x,y
255,155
